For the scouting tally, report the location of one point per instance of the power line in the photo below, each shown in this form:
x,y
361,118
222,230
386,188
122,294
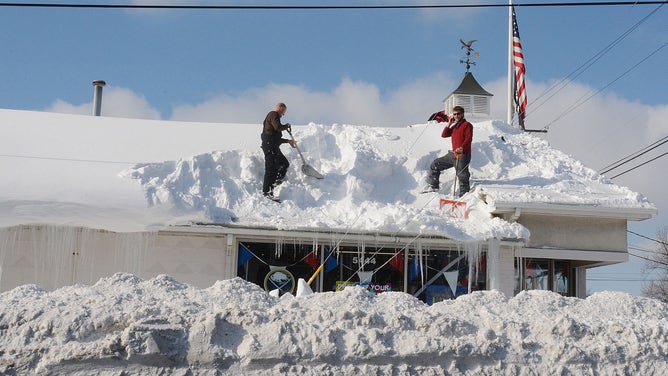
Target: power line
x,y
321,7
634,155
587,64
64,159
646,237
648,259
580,102
640,165
643,250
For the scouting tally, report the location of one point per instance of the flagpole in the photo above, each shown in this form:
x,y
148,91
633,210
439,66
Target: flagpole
x,y
511,79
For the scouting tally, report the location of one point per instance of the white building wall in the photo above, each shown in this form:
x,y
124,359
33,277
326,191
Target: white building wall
x,y
196,259
41,255
583,233
475,106
56,256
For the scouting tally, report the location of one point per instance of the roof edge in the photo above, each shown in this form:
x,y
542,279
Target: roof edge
x,y
637,214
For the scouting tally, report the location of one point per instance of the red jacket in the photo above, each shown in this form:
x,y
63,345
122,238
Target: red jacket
x,y
462,135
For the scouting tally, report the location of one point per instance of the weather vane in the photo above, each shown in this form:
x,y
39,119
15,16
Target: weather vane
x,y
468,48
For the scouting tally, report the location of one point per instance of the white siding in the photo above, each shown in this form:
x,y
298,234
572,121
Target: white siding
x,y
56,256
474,105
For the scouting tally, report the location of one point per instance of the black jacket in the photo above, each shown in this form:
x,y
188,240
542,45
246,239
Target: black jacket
x,y
272,130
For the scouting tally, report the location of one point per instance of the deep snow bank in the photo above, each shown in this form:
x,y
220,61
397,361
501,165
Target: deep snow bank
x,y
160,326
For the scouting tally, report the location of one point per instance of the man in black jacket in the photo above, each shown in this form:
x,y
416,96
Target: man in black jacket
x,y
275,163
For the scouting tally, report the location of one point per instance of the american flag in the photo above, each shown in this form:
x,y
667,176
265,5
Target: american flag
x,y
520,70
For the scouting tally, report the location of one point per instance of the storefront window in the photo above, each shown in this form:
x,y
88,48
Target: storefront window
x,y
376,268
430,275
439,275
561,277
379,269
542,274
273,266
536,274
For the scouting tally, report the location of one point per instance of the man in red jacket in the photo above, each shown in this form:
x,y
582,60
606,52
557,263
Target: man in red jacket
x,y
461,133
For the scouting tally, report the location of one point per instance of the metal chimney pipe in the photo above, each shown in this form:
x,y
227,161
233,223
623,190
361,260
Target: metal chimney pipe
x,y
97,97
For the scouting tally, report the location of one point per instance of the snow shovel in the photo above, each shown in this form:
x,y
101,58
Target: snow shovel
x,y
454,184
307,169
315,274
457,208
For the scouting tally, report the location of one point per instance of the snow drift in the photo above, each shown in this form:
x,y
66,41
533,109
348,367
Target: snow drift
x,y
124,325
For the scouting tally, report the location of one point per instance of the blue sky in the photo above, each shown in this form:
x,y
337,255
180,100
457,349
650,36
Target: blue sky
x,y
375,67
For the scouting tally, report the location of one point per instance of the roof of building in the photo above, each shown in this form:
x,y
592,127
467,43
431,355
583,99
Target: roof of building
x,y
137,175
470,86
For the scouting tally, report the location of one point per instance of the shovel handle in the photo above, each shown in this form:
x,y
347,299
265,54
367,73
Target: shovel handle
x,y
315,274
454,184
297,146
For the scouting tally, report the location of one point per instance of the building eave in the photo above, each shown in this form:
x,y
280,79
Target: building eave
x,y
310,233
575,210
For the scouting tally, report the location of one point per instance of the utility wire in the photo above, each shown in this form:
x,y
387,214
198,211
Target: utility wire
x,y
321,7
586,65
65,159
646,237
634,155
580,102
649,259
640,165
643,250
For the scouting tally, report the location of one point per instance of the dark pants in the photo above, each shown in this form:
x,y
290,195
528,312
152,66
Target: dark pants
x,y
275,167
461,169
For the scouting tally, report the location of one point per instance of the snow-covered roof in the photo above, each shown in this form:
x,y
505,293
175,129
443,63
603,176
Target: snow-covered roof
x,y
137,175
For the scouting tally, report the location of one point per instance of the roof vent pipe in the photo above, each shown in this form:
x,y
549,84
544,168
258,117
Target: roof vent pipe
x,y
97,97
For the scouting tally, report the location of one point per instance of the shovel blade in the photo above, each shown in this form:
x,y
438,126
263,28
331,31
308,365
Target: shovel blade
x,y
456,209
310,171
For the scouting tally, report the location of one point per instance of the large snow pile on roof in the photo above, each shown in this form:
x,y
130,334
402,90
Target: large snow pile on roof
x,y
134,175
373,181
123,325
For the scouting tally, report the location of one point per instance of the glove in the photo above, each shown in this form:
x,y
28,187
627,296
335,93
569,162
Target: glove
x,y
289,129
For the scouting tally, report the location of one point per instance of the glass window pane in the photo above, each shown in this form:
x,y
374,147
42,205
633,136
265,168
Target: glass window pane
x,y
561,277
536,274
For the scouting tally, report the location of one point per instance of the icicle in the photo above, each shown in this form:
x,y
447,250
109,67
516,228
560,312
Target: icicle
x,y
55,256
473,251
420,255
54,249
360,255
493,259
8,241
278,250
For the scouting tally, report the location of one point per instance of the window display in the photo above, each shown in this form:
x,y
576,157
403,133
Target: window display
x,y
430,275
543,274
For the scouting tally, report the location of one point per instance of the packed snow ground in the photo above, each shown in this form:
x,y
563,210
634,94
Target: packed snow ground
x,y
124,325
